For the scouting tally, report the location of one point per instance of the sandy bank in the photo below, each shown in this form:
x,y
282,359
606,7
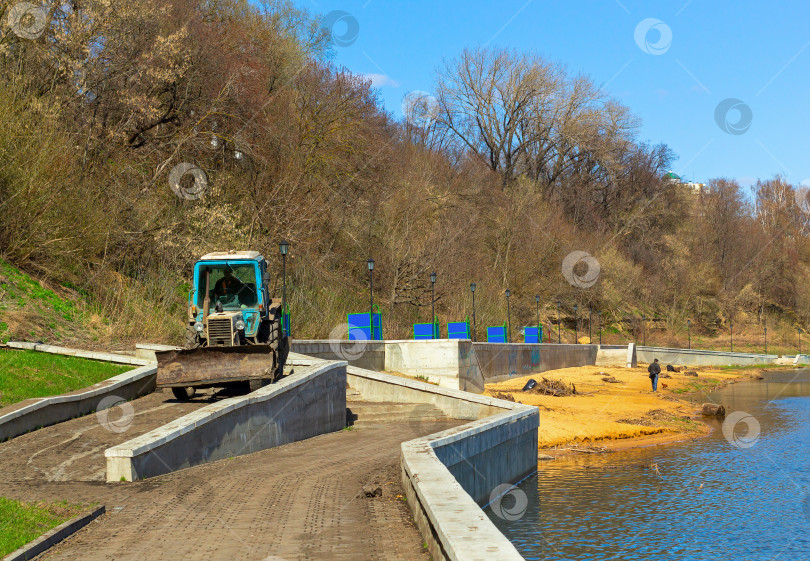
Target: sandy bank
x,y
619,415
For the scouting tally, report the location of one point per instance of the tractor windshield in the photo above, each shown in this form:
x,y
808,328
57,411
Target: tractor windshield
x,y
231,284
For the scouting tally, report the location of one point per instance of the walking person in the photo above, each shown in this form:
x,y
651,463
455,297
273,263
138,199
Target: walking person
x,y
654,370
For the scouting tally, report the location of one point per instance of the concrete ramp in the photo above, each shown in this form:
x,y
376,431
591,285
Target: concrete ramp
x,y
308,403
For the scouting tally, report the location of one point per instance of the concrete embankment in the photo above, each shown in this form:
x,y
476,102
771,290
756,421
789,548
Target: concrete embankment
x,y
697,357
310,402
502,361
462,364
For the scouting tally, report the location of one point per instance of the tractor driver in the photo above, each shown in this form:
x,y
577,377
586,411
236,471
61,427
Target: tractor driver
x,y
228,285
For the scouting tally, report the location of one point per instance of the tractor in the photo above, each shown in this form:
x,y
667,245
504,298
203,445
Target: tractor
x,y
234,337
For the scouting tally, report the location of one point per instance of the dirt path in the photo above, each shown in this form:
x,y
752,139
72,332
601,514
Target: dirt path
x,y
299,501
74,451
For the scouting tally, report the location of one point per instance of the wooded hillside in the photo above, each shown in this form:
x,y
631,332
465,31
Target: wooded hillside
x,y
509,166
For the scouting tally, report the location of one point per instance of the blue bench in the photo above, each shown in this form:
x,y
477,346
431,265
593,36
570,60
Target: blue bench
x,y
496,334
360,328
533,334
458,330
423,331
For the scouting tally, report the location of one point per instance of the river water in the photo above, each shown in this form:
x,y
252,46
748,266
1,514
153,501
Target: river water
x,y
743,495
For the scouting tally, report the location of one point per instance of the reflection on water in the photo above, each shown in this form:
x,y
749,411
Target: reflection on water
x,y
709,499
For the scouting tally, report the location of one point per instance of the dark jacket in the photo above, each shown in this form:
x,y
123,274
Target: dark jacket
x,y
654,369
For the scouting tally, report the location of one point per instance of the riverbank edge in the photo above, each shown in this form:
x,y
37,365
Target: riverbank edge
x,y
666,437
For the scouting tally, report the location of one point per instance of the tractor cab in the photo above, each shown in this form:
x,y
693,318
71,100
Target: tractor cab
x,y
229,305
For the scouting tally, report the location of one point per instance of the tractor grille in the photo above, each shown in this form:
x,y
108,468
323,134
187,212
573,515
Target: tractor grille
x,y
219,332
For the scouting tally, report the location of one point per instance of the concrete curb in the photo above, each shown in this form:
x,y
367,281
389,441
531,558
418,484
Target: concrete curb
x,y
92,355
50,539
451,521
238,425
31,414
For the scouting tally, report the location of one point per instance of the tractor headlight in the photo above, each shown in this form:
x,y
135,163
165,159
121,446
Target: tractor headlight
x,y
240,324
198,326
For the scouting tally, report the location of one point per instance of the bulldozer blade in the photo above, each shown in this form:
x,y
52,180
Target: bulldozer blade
x,y
211,366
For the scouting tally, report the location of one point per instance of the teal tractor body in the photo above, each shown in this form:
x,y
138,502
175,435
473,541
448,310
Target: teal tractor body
x,y
234,333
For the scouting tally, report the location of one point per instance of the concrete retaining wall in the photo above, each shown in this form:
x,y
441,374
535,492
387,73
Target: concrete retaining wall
x,y
310,402
447,474
696,357
616,356
451,363
363,354
502,361
32,414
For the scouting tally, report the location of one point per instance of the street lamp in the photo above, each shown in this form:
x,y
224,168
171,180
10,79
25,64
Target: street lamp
x,y
508,318
537,305
689,332
472,289
643,331
370,263
731,326
433,303
576,327
558,323
766,340
284,249
590,323
799,335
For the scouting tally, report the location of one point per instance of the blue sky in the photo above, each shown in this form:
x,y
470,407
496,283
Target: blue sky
x,y
697,54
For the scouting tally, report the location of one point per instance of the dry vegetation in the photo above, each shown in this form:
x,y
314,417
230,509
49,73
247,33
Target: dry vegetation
x,y
515,164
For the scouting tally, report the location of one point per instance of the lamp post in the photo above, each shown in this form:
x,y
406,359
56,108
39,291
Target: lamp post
x,y
433,304
558,322
643,330
731,327
590,323
799,336
576,327
689,332
284,249
600,326
537,305
472,289
371,298
766,340
508,318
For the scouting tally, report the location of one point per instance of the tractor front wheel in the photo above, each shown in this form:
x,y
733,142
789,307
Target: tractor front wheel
x,y
192,338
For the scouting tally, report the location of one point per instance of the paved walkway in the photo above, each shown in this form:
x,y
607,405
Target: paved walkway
x,y
299,501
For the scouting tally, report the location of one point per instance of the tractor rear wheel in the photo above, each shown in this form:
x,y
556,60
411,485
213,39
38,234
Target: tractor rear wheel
x,y
183,394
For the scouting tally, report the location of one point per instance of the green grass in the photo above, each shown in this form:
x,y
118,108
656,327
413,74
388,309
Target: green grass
x,y
21,523
704,385
27,374
22,289
755,367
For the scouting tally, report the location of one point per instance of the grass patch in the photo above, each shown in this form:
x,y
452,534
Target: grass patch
x,y
23,289
21,523
704,385
754,367
27,374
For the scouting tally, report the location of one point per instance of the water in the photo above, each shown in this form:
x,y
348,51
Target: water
x,y
710,499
